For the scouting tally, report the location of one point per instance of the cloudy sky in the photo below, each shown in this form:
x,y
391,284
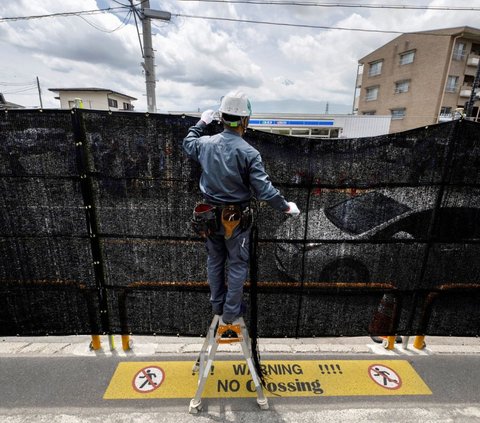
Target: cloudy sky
x,y
282,68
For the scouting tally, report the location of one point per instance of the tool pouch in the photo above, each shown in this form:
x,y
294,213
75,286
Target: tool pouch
x,y
231,218
204,220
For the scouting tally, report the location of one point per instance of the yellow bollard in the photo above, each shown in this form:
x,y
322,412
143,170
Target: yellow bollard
x,y
390,344
419,342
96,344
126,342
111,342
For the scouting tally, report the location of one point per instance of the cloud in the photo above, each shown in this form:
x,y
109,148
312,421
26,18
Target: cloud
x,y
200,56
198,61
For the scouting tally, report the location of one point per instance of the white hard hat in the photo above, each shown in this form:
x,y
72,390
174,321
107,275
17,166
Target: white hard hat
x,y
235,103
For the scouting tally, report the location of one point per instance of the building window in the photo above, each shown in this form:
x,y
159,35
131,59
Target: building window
x,y
398,113
402,86
300,132
369,113
475,49
372,93
375,68
320,132
459,52
446,110
127,106
112,103
452,84
445,114
280,131
407,57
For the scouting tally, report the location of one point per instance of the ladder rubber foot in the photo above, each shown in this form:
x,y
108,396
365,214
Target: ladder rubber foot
x,y
195,368
195,407
263,404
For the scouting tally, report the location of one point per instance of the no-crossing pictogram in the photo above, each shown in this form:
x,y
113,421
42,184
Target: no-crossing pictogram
x,y
148,379
384,376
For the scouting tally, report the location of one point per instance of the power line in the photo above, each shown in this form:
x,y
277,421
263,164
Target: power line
x,y
17,84
348,5
303,25
125,5
62,14
135,13
20,90
124,22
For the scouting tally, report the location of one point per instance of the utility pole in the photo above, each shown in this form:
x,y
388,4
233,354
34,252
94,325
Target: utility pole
x,y
148,55
39,93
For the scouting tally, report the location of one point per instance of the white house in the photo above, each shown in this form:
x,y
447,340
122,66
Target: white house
x,y
93,98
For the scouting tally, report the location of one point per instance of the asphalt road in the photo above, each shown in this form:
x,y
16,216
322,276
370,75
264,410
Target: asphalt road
x,y
71,389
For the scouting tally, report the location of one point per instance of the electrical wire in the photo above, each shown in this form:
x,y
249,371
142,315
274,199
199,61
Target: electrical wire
x,y
17,87
124,22
23,90
135,13
125,5
340,5
62,14
381,31
17,84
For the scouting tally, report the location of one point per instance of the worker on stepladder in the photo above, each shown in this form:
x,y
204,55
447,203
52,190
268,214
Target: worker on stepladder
x,y
232,172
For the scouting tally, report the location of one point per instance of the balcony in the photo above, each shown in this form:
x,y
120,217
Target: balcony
x,y
445,117
473,60
465,91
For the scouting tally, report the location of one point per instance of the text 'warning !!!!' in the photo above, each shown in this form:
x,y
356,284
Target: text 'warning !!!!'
x,y
299,378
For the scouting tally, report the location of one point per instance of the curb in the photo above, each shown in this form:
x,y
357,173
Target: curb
x,y
149,345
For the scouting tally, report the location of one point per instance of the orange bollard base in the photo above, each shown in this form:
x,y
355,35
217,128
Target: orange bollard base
x,y
96,344
390,344
126,344
419,342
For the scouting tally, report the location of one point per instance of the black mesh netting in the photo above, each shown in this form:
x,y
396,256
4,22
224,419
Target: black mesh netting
x,y
95,234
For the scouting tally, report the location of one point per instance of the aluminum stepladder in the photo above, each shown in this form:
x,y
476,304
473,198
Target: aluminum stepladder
x,y
207,356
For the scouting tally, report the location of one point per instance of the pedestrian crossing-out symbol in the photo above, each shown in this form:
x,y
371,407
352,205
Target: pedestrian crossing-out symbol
x,y
148,379
384,376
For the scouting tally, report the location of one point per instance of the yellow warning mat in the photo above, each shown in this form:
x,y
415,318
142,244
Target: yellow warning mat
x,y
286,378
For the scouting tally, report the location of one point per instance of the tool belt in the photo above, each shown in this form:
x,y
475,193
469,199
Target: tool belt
x,y
207,218
204,220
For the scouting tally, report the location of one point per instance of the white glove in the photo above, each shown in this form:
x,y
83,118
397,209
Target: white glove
x,y
292,209
207,116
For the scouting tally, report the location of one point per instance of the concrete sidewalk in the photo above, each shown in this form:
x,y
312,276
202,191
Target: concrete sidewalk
x,y
186,346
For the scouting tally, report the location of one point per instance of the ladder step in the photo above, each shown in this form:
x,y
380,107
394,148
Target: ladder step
x,y
220,333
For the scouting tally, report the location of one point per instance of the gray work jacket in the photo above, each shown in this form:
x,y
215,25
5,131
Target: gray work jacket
x,y
230,168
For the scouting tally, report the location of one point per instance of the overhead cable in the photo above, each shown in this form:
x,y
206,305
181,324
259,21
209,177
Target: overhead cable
x,y
17,84
135,13
63,14
382,31
124,22
349,5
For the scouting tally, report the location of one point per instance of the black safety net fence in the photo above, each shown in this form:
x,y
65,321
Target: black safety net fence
x,y
95,233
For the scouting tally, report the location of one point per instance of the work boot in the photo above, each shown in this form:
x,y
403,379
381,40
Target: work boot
x,y
228,333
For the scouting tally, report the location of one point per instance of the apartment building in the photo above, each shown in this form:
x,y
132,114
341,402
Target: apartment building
x,y
420,78
93,98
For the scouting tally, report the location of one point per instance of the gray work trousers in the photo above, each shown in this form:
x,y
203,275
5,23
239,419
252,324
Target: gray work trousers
x,y
227,270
